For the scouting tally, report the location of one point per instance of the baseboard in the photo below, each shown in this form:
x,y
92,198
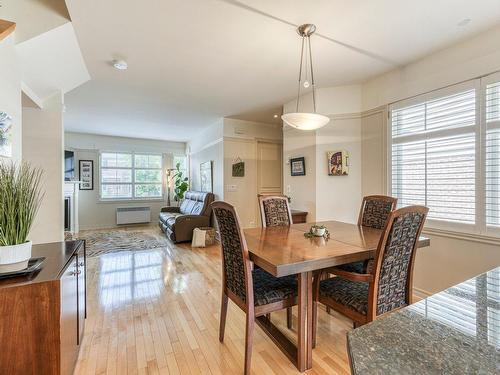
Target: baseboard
x,y
420,294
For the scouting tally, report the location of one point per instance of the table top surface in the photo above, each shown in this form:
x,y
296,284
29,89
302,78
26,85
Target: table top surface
x,y
285,251
456,331
57,256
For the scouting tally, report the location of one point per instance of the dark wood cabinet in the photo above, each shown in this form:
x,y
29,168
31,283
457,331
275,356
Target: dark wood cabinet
x,y
299,217
42,316
69,317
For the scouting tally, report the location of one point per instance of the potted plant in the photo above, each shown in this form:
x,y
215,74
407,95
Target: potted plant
x,y
180,184
20,198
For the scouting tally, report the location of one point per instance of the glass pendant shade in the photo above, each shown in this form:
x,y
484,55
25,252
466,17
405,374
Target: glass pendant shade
x,y
305,121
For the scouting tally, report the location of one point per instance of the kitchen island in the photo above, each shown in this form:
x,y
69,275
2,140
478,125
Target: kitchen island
x,y
456,331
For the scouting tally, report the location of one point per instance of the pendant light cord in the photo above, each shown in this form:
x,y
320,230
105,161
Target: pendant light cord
x,y
300,73
312,74
308,47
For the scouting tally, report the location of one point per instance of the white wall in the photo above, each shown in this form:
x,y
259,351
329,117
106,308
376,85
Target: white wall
x,y
43,143
472,58
339,197
240,141
208,146
326,197
93,213
10,92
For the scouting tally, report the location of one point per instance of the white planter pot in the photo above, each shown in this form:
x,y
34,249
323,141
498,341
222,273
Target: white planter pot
x,y
319,232
15,257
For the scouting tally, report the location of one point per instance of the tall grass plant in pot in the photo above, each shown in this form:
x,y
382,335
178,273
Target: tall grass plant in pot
x,y
20,198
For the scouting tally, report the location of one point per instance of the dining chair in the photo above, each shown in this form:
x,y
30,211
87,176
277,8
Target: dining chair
x,y
363,297
374,213
256,292
275,211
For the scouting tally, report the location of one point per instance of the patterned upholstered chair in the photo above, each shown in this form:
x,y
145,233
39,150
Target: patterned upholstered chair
x,y
367,296
274,210
374,212
256,292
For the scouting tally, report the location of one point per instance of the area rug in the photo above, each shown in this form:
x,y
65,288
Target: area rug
x,y
100,243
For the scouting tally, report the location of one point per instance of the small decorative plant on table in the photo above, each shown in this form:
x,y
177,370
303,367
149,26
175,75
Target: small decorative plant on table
x,y
20,198
318,231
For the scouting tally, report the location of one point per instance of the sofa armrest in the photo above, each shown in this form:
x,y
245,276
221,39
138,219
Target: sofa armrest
x,y
185,224
170,209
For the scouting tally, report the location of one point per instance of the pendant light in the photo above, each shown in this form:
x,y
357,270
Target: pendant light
x,y
305,120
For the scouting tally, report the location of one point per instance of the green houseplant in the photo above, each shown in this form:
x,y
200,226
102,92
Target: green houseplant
x,y
20,198
180,183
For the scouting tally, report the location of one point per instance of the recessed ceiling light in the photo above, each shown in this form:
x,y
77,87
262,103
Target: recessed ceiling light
x,y
464,22
275,116
120,64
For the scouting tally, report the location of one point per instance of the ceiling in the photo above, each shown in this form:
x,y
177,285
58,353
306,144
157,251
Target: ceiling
x,y
194,61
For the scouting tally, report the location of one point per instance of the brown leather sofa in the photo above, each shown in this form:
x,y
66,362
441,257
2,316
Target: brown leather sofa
x,y
194,212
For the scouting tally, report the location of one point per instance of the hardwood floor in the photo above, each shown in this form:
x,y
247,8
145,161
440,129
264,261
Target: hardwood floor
x,y
157,312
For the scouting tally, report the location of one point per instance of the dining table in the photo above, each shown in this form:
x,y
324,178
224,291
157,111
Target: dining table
x,y
285,250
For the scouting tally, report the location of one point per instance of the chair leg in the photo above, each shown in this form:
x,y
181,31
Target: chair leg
x,y
289,317
314,323
268,316
249,342
223,315
328,310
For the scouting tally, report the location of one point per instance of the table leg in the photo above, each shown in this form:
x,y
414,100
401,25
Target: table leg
x,y
304,339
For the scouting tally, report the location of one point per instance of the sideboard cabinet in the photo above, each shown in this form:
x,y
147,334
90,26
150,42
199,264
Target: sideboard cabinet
x,y
42,316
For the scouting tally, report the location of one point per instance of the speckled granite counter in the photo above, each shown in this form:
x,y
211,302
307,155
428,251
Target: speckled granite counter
x,y
456,331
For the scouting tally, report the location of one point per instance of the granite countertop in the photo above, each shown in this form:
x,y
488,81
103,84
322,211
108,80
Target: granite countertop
x,y
456,331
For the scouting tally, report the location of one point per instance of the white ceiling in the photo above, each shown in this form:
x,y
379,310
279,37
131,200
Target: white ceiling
x,y
52,62
194,61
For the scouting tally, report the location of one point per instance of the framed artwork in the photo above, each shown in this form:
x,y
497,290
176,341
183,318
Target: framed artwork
x,y
298,166
238,168
86,174
338,163
5,135
206,176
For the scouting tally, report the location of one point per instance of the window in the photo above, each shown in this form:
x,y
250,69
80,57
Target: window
x,y
492,109
131,176
437,157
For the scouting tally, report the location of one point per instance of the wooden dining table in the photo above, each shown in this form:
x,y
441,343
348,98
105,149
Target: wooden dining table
x,y
284,251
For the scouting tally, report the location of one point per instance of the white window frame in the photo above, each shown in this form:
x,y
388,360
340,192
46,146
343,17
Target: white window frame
x,y
495,77
133,183
479,84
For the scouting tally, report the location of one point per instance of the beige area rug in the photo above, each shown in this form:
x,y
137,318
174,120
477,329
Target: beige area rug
x,y
112,241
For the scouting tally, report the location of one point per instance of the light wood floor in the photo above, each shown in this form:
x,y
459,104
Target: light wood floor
x,y
157,312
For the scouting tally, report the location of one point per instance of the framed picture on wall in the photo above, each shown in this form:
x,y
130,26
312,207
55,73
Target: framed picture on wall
x,y
206,177
338,163
298,166
86,174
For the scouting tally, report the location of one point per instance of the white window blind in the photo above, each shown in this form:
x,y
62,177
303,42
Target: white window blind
x,y
434,155
130,176
492,150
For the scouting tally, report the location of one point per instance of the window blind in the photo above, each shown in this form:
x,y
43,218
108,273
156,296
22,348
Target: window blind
x,y
434,156
492,157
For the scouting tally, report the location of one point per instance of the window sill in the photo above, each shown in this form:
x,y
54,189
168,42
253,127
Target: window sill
x,y
490,240
144,200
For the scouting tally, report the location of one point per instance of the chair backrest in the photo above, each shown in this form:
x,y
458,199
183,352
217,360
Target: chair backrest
x,y
393,268
375,210
275,211
197,203
236,267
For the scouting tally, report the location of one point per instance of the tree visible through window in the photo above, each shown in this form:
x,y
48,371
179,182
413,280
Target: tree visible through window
x,y
131,176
